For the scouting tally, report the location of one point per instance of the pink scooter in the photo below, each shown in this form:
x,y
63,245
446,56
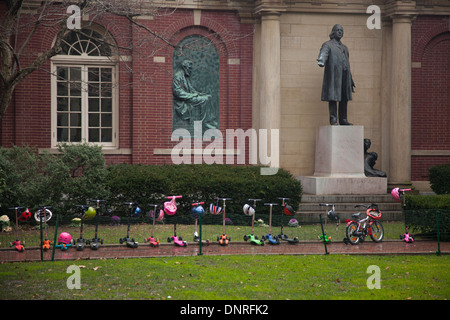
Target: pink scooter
x,y
399,196
170,208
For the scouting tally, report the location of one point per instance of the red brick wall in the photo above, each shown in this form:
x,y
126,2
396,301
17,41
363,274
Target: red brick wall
x,y
145,93
430,92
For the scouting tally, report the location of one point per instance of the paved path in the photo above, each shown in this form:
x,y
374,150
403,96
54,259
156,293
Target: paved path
x,y
193,249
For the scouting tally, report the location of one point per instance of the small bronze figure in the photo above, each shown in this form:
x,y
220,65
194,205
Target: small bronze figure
x,y
370,158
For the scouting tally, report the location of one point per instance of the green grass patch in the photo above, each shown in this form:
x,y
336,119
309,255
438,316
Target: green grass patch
x,y
240,277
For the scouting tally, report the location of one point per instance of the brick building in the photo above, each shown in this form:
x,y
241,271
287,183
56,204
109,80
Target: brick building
x,y
120,95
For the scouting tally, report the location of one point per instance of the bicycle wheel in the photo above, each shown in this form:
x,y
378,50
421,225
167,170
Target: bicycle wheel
x,y
350,231
377,231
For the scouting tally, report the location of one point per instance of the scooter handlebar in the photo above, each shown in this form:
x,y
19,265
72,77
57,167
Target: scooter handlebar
x,y
174,197
198,203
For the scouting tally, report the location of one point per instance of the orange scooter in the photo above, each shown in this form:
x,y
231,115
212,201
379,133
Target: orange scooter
x,y
44,214
223,239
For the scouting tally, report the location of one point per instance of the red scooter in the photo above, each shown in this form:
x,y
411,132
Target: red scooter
x,y
151,240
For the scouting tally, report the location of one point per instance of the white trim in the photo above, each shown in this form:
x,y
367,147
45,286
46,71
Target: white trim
x,y
84,63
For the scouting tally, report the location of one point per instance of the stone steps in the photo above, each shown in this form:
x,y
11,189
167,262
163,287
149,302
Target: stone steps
x,y
309,209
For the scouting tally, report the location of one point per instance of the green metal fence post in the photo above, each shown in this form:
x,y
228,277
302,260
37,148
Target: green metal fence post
x,y
54,239
42,238
323,235
438,234
200,235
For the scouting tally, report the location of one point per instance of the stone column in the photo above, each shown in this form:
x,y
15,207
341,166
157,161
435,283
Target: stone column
x,y
270,96
400,109
269,86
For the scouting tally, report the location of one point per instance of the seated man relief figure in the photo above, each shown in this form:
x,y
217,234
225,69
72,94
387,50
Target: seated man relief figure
x,y
370,158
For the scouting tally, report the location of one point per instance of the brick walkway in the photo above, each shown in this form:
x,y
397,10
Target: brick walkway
x,y
167,250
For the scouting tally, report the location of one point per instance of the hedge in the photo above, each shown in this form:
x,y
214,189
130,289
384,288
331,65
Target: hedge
x,y
29,179
421,212
440,178
151,184
78,173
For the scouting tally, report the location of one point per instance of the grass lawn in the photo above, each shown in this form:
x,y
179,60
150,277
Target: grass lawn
x,y
240,277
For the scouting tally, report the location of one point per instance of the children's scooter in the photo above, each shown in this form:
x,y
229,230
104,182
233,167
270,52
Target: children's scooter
x,y
399,196
408,238
81,242
197,211
64,241
171,208
135,211
43,215
95,242
151,240
223,238
329,214
272,239
249,210
18,245
289,211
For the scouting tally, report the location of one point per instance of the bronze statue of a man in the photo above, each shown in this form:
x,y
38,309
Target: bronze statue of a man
x,y
338,83
189,104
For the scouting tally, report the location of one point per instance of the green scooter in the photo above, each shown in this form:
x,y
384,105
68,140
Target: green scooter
x,y
249,210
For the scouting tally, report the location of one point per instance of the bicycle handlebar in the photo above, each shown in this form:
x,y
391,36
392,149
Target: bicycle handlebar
x,y
198,203
373,205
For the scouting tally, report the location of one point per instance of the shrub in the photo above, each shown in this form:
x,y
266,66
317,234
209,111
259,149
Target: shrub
x,y
440,178
31,180
421,214
151,184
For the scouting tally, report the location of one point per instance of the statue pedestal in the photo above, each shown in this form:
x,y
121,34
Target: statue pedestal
x,y
339,164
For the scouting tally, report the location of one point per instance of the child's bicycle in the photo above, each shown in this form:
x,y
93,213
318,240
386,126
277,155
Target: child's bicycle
x,y
358,228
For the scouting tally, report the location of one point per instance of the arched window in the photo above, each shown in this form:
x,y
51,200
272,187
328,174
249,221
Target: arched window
x,y
84,102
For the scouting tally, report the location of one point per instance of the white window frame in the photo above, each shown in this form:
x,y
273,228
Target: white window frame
x,y
85,61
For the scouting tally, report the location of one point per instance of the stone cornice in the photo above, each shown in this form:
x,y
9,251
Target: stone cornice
x,y
398,9
251,10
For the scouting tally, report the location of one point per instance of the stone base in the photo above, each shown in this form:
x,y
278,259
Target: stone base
x,y
343,185
339,151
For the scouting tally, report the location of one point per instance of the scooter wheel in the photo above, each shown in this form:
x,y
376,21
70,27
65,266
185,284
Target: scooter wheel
x,y
245,238
169,239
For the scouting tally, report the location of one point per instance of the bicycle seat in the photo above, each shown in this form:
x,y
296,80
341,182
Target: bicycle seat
x,y
356,215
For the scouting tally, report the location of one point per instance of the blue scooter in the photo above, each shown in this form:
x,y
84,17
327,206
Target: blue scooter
x,y
135,211
269,237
